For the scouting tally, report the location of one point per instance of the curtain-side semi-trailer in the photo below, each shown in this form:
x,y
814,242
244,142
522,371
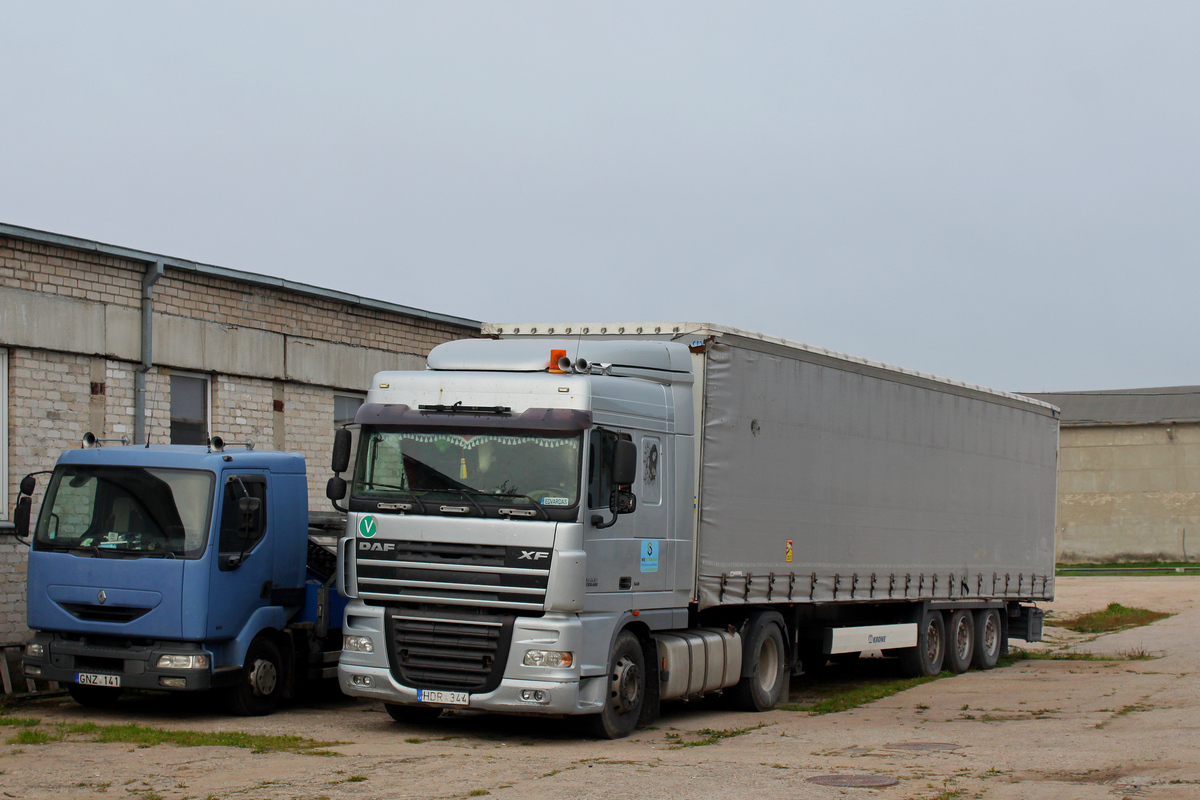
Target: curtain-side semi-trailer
x,y
590,519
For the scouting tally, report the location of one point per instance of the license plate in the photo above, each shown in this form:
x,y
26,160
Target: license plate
x,y
444,698
94,679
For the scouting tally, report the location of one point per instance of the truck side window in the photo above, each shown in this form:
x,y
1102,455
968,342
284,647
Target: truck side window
x,y
234,538
600,455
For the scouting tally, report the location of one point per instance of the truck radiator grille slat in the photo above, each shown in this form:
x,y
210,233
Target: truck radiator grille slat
x,y
449,654
453,574
94,613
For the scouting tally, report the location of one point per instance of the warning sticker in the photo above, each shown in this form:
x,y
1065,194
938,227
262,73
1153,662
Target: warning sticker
x,y
789,551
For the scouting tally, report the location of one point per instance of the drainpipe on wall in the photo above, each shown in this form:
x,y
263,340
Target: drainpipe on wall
x,y
153,273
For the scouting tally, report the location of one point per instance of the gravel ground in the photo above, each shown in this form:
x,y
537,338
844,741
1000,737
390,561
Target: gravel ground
x,y
1118,728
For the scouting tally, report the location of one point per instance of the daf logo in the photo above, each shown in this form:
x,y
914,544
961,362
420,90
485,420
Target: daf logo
x,y
101,596
382,547
533,555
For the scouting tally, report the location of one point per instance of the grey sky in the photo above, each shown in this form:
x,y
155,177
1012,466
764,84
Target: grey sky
x,y
1007,194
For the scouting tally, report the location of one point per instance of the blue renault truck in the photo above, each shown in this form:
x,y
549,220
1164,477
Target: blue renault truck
x,y
180,568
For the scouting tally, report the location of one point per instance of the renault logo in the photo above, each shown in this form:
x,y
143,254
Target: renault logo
x,y
101,596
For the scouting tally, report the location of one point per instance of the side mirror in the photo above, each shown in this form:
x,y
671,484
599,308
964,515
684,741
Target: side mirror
x,y
335,489
624,462
21,515
247,508
28,484
622,502
341,450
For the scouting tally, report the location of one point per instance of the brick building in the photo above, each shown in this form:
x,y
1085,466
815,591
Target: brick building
x,y
120,342
1128,474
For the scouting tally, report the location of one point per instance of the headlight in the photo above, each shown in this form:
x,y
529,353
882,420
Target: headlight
x,y
547,658
34,650
198,661
359,644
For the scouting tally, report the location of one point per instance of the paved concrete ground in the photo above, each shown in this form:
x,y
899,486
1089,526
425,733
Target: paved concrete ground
x,y
1040,729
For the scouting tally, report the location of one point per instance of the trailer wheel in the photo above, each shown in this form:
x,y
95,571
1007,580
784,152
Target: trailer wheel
x,y
94,696
960,640
626,690
987,638
412,714
260,685
926,658
765,658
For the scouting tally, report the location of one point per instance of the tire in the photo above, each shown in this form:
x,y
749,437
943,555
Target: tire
x,y
626,691
764,665
960,641
414,715
925,660
94,696
260,686
987,638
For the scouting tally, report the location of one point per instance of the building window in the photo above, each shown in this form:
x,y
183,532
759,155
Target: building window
x,y
4,431
189,409
344,408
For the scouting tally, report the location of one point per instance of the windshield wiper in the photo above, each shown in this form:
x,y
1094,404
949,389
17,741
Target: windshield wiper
x,y
465,493
412,495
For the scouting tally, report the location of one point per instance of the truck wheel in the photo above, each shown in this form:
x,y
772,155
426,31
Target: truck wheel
x,y
261,683
960,641
415,715
94,696
626,690
926,658
765,656
987,638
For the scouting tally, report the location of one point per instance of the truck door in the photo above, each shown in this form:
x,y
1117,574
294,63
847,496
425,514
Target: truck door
x,y
244,563
634,554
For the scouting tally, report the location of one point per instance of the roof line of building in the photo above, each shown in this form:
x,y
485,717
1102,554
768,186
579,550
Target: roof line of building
x,y
73,242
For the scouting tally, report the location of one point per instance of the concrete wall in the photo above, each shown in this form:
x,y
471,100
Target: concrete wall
x,y
1129,493
70,323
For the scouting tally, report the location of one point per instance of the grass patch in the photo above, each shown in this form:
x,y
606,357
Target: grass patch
x,y
19,722
712,736
1017,654
844,696
144,736
1114,618
1128,567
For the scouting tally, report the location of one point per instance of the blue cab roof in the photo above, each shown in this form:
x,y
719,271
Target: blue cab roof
x,y
174,456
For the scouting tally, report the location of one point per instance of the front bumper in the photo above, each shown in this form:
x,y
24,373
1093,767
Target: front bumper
x,y
134,664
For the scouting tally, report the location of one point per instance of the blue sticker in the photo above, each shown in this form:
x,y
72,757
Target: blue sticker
x,y
649,555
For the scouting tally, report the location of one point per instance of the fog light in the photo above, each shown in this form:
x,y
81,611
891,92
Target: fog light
x,y
173,683
32,670
358,644
535,696
547,658
362,680
35,650
198,661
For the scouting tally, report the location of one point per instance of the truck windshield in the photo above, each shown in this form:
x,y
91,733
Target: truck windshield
x,y
477,472
126,511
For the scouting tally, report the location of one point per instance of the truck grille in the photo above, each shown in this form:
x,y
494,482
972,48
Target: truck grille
x,y
475,575
93,613
438,652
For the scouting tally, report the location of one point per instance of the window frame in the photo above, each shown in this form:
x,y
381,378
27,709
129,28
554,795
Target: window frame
x,y
208,383
4,513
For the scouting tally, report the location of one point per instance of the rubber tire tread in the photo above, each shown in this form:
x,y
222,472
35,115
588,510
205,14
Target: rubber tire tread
x,y
748,694
953,662
242,699
982,659
611,723
914,661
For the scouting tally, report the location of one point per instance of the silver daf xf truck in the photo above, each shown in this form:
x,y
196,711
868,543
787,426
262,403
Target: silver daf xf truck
x,y
591,519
